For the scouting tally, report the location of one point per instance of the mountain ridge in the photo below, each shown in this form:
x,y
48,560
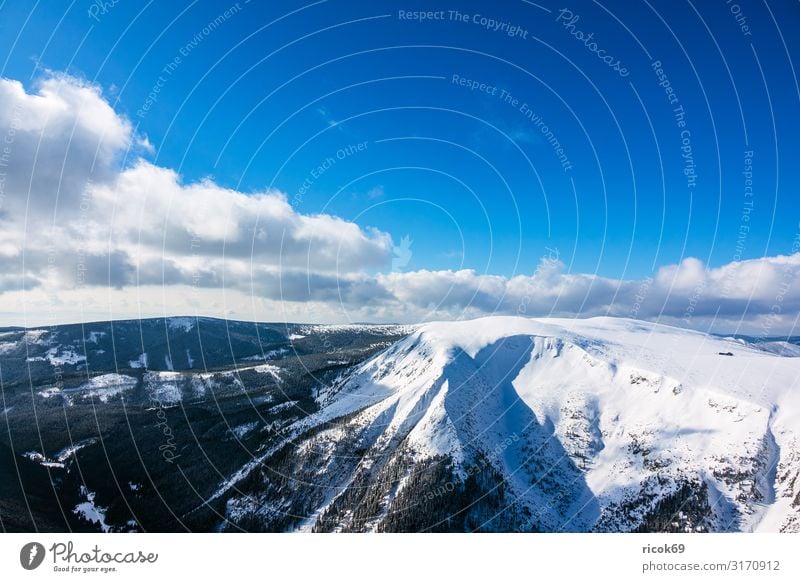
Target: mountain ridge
x,y
603,421
494,424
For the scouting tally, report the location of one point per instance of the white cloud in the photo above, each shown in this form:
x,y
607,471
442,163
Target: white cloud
x,y
76,214
57,140
761,293
153,208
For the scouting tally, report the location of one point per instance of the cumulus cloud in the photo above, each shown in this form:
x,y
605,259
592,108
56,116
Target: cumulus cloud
x,y
80,206
760,294
85,219
155,209
57,140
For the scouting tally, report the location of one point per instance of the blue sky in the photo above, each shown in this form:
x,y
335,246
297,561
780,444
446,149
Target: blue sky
x,y
261,98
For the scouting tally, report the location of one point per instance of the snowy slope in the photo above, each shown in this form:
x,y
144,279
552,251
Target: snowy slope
x,y
599,424
780,348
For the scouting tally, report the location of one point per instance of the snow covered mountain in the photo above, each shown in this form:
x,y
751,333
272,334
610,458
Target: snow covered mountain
x,y
514,424
121,425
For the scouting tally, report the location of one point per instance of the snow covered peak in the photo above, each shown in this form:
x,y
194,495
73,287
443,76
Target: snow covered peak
x,y
633,412
690,357
516,424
